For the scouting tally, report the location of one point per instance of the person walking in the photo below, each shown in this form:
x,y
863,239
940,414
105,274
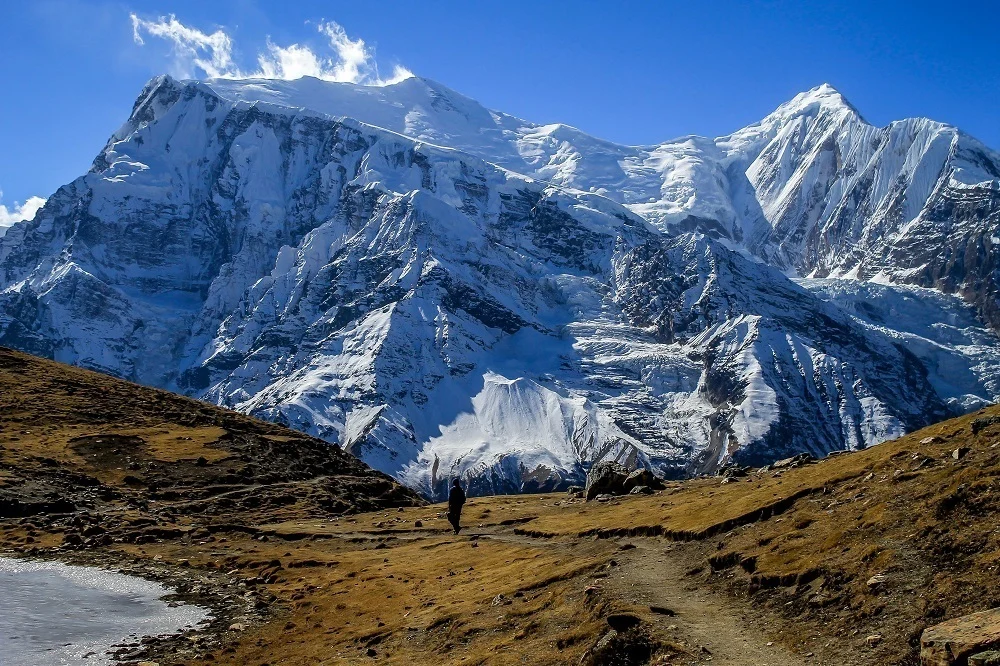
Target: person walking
x,y
456,499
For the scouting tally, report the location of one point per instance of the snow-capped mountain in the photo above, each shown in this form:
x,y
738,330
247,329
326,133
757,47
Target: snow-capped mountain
x,y
443,289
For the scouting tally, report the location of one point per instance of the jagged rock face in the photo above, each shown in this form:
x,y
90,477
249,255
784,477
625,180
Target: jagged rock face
x,y
916,202
518,302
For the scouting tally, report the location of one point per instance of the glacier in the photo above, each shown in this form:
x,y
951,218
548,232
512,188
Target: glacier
x,y
445,290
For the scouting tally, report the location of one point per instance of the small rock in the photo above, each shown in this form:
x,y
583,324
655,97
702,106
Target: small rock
x,y
605,640
960,452
930,440
873,640
418,523
237,626
877,580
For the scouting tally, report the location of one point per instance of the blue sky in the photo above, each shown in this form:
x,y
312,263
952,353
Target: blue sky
x,y
632,72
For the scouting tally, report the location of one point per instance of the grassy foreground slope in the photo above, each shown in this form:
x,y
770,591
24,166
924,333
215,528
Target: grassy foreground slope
x,y
71,439
839,562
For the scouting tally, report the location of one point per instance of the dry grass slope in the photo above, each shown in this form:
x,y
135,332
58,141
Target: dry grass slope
x,y
808,561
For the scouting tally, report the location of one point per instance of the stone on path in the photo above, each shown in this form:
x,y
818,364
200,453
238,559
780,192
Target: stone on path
x,y
953,642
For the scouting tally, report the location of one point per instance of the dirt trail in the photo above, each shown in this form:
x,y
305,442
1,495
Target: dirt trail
x,y
719,630
722,631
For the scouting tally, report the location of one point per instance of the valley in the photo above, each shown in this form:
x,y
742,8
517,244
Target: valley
x,y
718,399
326,562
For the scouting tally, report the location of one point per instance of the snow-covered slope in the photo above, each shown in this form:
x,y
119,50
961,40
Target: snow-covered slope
x,y
443,289
812,188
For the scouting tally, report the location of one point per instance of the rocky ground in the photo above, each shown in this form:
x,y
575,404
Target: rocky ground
x,y
307,557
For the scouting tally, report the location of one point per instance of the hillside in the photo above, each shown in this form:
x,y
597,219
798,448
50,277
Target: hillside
x,y
444,290
73,440
790,565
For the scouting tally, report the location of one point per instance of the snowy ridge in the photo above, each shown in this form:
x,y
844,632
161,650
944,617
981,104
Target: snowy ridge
x,y
442,289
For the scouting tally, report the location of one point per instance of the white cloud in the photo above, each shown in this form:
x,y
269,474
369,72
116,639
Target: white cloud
x,y
211,55
193,49
18,212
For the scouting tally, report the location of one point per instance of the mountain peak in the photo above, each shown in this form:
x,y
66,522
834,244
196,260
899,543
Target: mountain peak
x,y
823,97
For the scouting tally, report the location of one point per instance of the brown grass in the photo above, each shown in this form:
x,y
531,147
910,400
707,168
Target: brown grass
x,y
800,545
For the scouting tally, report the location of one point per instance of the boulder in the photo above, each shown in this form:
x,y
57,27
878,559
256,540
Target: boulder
x,y
641,490
990,658
642,477
606,478
795,461
954,641
980,424
734,472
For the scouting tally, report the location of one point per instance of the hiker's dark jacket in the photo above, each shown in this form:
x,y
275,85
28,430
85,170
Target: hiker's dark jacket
x,y
456,498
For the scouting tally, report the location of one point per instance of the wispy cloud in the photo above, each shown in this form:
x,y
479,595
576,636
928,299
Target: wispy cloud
x,y
18,212
198,53
193,49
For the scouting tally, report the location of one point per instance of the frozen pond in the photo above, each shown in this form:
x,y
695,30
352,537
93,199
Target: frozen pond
x,y
52,613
